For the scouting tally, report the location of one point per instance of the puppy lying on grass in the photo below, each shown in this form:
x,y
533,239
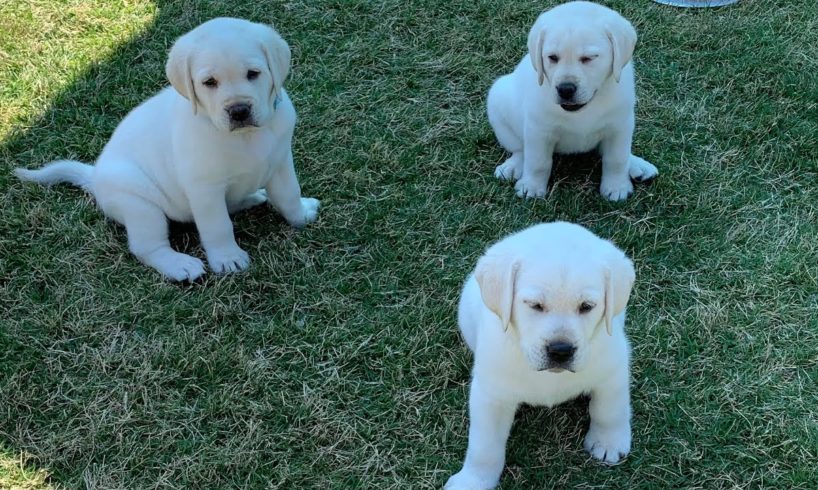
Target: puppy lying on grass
x,y
218,141
544,315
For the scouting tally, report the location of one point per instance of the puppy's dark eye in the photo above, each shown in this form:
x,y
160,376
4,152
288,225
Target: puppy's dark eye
x,y
553,58
586,59
536,306
585,307
211,83
252,74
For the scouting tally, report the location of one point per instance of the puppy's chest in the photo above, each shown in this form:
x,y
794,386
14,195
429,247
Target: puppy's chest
x,y
249,160
578,139
533,388
259,146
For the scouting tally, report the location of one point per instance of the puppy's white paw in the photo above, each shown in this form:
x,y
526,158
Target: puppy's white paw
x,y
179,267
616,189
511,169
530,188
228,259
641,170
252,200
310,207
465,480
608,445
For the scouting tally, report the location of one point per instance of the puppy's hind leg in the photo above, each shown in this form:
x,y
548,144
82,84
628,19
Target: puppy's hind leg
x,y
250,201
511,169
147,228
641,170
506,121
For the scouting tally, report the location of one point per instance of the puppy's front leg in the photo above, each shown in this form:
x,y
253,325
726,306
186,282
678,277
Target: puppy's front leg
x,y
538,157
490,422
210,214
284,194
609,436
616,151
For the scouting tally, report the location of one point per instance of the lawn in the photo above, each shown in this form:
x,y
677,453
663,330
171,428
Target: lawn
x,y
335,361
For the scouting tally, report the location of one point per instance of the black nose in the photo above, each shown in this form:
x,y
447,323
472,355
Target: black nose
x,y
566,90
560,352
239,112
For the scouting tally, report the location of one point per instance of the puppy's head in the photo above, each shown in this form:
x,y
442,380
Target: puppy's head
x,y
576,48
230,69
555,287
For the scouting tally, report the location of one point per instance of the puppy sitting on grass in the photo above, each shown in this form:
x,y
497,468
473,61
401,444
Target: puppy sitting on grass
x,y
544,315
572,93
216,142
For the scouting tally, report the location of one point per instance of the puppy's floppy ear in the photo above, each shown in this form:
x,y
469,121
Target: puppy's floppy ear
x,y
622,37
178,70
496,275
619,278
536,39
277,53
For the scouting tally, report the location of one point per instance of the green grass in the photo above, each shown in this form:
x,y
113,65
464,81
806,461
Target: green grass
x,y
335,361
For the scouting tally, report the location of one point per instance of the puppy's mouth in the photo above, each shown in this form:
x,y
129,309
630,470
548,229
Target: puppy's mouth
x,y
570,107
237,125
556,370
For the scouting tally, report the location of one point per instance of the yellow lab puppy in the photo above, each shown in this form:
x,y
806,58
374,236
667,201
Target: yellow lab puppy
x,y
216,142
544,315
573,92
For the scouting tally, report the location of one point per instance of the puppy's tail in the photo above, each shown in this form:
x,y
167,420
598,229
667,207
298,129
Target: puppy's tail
x,y
70,171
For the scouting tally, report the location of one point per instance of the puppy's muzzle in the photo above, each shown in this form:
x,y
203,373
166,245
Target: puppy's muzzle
x,y
560,355
240,114
566,92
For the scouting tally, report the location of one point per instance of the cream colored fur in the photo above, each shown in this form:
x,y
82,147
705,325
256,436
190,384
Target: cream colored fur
x,y
216,142
588,47
551,284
